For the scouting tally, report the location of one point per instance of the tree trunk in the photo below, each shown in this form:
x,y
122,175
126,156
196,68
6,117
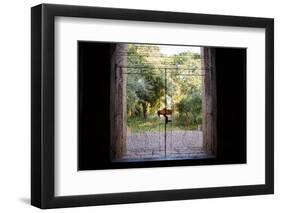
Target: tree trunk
x,y
144,109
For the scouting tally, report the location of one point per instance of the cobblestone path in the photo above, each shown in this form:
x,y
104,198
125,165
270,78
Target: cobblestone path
x,y
151,145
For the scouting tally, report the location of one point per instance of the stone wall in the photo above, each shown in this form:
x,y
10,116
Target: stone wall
x,y
209,122
118,101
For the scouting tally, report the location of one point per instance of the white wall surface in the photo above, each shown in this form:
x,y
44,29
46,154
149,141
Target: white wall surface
x,y
15,105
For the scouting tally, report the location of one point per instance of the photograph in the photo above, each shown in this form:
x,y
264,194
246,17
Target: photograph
x,y
163,104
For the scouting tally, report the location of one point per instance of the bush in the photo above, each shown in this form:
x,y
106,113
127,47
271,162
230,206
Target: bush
x,y
190,110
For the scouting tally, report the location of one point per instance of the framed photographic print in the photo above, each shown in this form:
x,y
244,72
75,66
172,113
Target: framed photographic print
x,y
140,106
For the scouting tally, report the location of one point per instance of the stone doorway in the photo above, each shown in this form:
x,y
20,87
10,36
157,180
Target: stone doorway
x,y
165,129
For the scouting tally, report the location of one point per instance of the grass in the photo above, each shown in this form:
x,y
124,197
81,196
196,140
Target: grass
x,y
154,123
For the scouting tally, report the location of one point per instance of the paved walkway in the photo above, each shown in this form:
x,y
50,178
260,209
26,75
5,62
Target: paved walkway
x,y
151,145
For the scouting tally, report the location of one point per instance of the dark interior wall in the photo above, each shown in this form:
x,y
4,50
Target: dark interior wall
x,y
231,104
94,99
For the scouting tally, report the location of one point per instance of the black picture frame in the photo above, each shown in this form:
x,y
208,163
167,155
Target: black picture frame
x,y
43,111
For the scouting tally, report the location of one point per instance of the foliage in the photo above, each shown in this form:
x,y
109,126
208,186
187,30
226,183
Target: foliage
x,y
146,91
145,86
190,109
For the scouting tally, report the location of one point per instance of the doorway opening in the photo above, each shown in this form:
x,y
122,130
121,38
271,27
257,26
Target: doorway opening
x,y
162,103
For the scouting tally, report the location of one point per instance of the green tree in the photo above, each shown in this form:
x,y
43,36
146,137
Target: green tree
x,y
190,109
145,83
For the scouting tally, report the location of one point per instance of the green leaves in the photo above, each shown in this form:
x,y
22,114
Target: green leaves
x,y
146,84
190,109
